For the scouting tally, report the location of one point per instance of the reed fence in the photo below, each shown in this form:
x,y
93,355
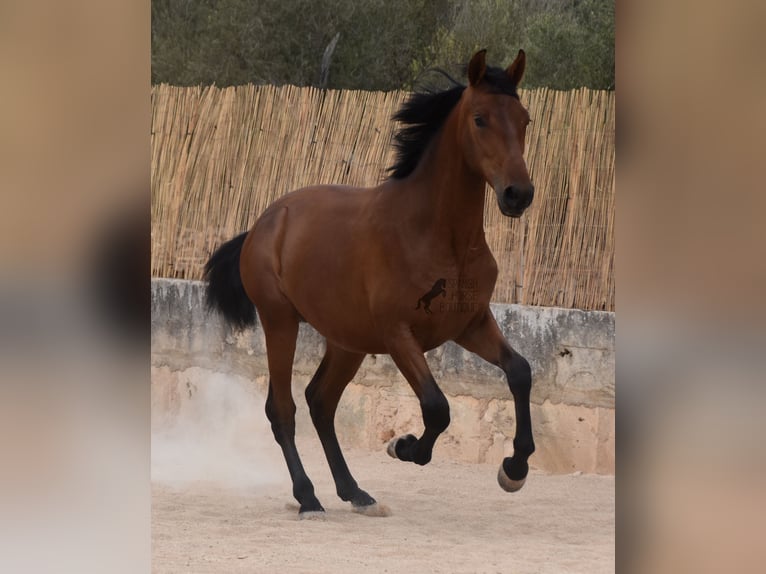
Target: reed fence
x,y
221,155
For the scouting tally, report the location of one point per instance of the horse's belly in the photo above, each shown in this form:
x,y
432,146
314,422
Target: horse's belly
x,y
357,335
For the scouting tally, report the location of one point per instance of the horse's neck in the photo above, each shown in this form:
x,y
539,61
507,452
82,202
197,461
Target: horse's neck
x,y
448,195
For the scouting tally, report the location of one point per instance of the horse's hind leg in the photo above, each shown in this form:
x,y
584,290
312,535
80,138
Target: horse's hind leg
x,y
323,393
281,334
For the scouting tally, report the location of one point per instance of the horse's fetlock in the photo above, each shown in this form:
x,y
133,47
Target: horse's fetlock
x,y
523,447
422,458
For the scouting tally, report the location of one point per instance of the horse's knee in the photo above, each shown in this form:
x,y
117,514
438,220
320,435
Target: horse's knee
x,y
518,372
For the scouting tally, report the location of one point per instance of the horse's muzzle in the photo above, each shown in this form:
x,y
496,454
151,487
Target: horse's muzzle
x,y
515,199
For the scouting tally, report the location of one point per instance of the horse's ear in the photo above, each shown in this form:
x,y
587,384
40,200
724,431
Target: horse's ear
x,y
516,70
477,66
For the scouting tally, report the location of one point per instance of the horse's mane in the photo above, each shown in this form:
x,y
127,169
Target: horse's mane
x,y
424,113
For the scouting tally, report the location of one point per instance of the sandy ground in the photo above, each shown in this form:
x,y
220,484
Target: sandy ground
x,y
445,517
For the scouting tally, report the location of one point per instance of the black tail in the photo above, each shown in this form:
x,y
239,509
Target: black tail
x,y
225,292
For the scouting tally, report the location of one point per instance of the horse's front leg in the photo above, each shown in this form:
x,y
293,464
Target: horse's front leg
x,y
408,356
485,339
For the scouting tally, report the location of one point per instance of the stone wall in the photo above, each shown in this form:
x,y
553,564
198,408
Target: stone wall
x,y
571,353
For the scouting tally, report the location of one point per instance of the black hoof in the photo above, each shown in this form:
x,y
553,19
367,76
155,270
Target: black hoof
x,y
313,506
360,499
402,447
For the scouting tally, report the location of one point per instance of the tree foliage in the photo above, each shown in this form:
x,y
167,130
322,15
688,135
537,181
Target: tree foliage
x,y
382,44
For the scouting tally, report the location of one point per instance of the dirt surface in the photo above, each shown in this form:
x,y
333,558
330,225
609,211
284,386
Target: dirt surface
x,y
445,517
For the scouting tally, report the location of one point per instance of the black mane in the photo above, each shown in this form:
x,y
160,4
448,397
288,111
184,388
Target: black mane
x,y
424,113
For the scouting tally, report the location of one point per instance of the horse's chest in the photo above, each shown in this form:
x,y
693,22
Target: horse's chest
x,y
450,288
444,308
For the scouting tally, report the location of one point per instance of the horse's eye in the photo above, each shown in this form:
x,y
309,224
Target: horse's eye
x,y
479,121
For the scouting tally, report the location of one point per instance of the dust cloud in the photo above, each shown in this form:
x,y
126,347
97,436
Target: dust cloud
x,y
216,433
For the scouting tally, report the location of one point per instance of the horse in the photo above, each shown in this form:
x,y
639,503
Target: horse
x,y
351,261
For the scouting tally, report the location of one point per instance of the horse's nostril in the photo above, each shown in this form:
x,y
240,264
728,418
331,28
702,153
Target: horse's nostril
x,y
517,198
530,194
521,195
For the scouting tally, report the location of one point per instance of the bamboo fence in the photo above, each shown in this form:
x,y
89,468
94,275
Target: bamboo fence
x,y
221,155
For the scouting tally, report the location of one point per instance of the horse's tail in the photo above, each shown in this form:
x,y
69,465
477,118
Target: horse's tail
x,y
225,292
419,301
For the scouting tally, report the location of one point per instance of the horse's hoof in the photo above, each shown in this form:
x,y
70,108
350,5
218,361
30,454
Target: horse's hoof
x,y
375,509
311,511
391,448
508,484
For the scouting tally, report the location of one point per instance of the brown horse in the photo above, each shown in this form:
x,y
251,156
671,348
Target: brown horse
x,y
354,262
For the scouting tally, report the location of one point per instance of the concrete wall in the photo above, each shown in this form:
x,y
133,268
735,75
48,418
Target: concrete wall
x,y
571,353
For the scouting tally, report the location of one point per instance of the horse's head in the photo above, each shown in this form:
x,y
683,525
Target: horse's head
x,y
494,127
